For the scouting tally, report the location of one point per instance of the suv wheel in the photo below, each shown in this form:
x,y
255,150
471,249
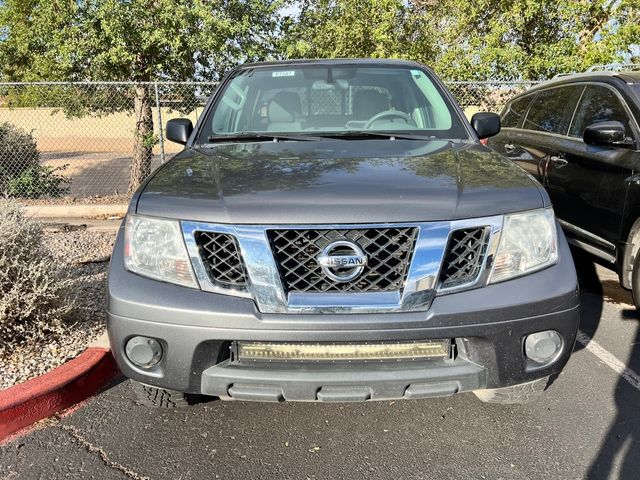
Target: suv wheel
x,y
635,283
515,394
159,397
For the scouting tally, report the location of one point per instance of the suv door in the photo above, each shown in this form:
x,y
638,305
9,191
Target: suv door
x,y
511,119
587,184
548,116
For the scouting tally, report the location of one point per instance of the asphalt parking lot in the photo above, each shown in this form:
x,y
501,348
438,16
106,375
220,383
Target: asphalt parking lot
x,y
587,426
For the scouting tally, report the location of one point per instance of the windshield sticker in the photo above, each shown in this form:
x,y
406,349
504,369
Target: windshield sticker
x,y
284,73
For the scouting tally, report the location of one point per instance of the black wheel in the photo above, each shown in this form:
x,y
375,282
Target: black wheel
x,y
635,283
515,394
159,397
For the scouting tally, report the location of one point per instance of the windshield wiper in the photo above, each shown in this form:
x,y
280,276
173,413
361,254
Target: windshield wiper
x,y
274,137
349,134
389,135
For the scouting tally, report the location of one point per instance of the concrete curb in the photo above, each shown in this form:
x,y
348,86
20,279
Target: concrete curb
x,y
26,403
75,211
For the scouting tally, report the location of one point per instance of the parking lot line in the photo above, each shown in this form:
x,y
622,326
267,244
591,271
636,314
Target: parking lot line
x,y
609,359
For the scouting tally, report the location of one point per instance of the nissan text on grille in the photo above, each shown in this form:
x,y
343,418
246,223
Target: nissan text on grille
x,y
334,231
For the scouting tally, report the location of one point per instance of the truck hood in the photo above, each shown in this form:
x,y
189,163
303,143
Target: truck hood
x,y
341,181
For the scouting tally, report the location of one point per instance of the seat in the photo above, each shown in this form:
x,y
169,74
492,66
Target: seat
x,y
367,103
283,112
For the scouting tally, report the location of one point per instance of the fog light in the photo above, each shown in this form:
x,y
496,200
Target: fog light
x,y
144,352
543,347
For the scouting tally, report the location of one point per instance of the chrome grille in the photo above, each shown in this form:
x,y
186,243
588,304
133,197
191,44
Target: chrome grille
x,y
221,257
464,256
388,251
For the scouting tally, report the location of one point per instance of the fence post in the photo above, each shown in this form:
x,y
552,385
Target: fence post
x,y
160,126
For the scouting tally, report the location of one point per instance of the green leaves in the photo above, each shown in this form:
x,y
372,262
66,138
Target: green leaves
x,y
201,39
143,40
461,40
356,28
135,40
38,39
38,181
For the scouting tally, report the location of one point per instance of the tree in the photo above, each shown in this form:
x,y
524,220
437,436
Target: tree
x,y
528,39
134,40
480,40
36,39
354,28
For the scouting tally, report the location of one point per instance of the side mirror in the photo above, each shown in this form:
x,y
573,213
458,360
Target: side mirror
x,y
486,124
179,130
605,133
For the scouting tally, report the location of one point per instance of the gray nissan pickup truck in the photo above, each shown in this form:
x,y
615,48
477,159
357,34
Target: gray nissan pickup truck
x,y
335,231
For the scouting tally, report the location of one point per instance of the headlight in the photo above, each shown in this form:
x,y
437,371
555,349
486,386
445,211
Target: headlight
x,y
155,248
528,243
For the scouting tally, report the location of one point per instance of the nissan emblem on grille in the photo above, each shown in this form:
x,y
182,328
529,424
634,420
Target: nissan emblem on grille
x,y
377,257
342,261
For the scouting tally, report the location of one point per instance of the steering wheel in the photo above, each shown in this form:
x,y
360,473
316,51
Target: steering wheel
x,y
385,114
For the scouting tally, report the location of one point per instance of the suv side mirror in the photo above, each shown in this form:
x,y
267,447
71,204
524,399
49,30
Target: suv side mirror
x,y
486,124
179,130
605,133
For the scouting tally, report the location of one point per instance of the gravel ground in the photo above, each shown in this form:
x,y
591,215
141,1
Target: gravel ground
x,y
88,254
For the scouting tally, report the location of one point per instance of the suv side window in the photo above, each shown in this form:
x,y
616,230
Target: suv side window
x,y
551,110
513,115
598,104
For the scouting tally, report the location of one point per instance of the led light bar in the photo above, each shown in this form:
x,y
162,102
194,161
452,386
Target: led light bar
x,y
343,351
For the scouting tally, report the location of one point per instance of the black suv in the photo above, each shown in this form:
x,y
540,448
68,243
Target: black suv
x,y
579,136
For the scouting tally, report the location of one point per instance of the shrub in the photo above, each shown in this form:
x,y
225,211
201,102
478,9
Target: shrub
x,y
37,181
35,294
18,150
21,174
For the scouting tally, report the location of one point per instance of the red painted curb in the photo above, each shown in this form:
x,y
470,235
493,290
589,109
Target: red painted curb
x,y
38,398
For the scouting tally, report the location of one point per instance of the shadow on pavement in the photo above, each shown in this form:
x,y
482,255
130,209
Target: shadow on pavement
x,y
95,173
592,294
622,441
623,438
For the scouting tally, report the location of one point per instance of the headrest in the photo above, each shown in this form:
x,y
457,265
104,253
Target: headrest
x,y
284,107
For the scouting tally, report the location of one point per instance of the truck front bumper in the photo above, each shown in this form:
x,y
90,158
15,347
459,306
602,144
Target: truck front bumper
x,y
487,325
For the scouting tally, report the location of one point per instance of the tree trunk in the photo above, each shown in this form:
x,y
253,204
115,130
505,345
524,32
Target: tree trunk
x,y
144,139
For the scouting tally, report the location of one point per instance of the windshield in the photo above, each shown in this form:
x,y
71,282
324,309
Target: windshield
x,y
340,99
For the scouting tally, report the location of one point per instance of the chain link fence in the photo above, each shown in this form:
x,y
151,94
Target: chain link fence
x,y
77,139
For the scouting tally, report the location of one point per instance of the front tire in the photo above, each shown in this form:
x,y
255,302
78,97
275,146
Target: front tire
x,y
514,394
156,397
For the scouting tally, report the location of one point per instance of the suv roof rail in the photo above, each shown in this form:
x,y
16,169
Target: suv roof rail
x,y
614,67
558,75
